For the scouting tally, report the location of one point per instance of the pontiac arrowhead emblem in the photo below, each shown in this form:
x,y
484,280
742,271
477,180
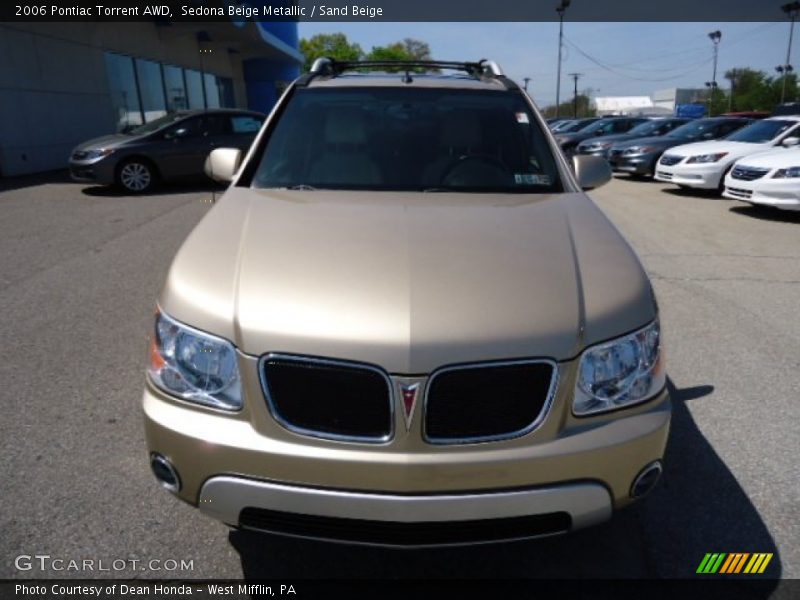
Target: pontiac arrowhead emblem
x,y
409,392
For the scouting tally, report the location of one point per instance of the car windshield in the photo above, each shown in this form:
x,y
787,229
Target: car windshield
x,y
761,132
646,128
573,126
603,126
396,139
692,130
156,124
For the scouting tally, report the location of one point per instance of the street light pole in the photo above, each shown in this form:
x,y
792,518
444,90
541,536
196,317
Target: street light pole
x,y
575,77
560,10
791,9
526,80
715,37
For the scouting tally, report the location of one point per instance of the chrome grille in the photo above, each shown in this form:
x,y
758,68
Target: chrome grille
x,y
670,159
748,173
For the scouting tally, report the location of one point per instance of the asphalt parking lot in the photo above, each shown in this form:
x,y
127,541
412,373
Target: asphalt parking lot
x,y
80,270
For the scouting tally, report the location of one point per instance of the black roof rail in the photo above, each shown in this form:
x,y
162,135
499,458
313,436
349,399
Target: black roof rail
x,y
482,69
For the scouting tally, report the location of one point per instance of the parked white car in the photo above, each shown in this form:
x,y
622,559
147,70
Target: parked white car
x,y
769,178
704,164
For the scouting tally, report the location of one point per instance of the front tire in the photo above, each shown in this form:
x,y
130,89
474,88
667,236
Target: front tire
x,y
136,176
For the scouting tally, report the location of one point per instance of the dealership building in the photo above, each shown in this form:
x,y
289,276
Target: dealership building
x,y
63,83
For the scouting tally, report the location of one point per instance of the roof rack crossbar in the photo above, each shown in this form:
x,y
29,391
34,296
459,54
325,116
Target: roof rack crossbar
x,y
482,68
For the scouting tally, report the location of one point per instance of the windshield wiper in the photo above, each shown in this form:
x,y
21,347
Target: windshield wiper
x,y
302,186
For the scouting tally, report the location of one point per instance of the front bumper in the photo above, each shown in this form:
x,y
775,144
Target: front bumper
x,y
703,176
780,193
93,171
636,164
232,463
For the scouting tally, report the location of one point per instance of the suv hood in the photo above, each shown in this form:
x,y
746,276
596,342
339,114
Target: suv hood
x,y
409,281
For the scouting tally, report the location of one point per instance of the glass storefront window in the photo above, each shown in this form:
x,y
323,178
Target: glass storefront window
x,y
212,90
225,85
175,88
151,89
122,86
194,88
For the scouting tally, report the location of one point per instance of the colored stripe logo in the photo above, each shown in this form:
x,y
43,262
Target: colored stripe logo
x,y
734,563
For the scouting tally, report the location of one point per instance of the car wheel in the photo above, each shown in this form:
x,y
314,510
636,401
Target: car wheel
x,y
136,176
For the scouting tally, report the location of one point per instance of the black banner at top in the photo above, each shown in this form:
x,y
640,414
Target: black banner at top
x,y
396,10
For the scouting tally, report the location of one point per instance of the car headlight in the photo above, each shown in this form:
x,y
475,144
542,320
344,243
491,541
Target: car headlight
x,y
787,173
193,365
99,153
640,150
706,158
620,373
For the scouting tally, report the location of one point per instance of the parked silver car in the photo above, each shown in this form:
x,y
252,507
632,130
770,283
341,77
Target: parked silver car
x,y
171,147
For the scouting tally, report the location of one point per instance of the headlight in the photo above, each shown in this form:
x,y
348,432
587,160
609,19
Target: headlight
x,y
706,158
639,150
620,373
92,154
194,366
787,173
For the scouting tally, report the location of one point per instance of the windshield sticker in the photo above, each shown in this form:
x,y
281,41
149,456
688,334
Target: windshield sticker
x,y
531,179
522,117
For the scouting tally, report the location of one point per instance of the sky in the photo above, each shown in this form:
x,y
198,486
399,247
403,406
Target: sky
x,y
635,59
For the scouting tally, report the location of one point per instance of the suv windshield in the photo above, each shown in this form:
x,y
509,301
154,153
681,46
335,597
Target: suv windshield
x,y
396,139
761,132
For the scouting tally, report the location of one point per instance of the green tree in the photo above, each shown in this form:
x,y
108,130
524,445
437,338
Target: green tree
x,y
332,45
755,90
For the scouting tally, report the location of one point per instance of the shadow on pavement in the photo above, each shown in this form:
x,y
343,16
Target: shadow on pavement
x,y
8,184
698,507
767,213
169,187
694,193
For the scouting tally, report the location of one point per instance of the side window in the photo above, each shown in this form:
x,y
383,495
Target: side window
x,y
245,124
216,125
726,128
188,128
622,125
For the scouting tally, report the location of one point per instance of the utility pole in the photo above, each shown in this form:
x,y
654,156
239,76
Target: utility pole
x,y
791,9
733,87
560,10
715,37
575,77
526,80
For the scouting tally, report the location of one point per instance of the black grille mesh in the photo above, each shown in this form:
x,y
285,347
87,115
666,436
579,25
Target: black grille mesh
x,y
404,534
486,402
329,399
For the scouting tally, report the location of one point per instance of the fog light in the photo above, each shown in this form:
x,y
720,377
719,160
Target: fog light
x,y
646,479
165,473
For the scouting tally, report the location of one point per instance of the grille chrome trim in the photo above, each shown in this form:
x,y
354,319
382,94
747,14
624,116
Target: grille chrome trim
x,y
273,410
669,160
748,173
540,418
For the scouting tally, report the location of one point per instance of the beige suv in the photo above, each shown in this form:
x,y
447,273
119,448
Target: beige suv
x,y
405,323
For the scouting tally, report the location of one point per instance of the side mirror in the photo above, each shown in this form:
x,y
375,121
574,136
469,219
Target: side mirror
x,y
591,171
790,141
223,163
